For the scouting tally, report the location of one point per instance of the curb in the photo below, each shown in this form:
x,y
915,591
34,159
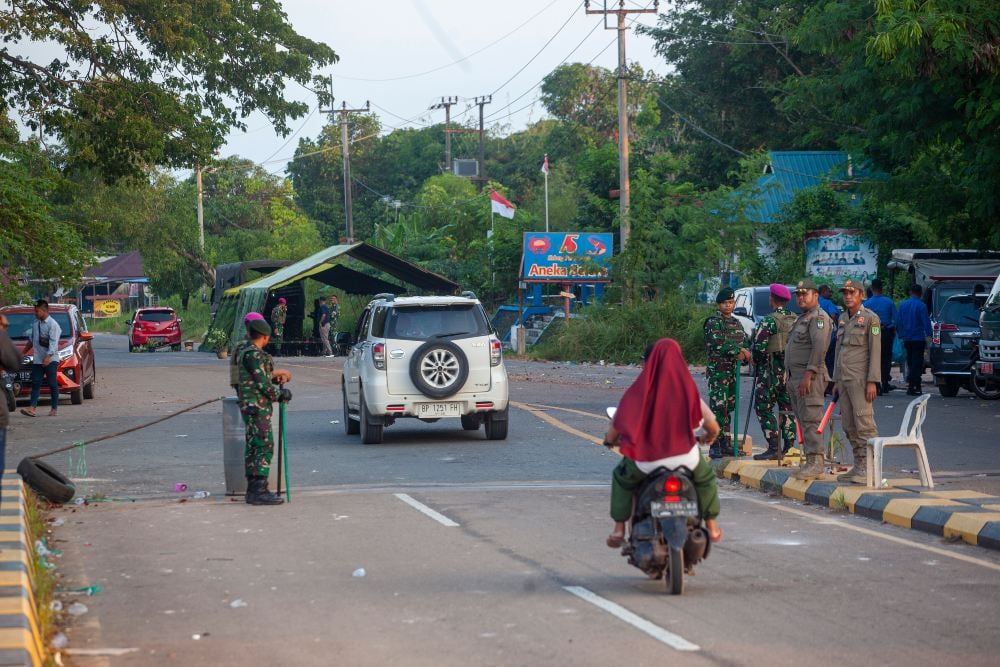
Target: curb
x,y
968,515
20,640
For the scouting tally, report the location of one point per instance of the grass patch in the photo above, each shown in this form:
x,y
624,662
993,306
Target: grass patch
x,y
838,501
44,579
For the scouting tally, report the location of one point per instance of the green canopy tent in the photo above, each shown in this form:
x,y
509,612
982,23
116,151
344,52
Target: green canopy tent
x,y
328,267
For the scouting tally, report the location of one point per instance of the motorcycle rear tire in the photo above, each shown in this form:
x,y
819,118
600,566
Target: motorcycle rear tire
x,y
673,579
11,401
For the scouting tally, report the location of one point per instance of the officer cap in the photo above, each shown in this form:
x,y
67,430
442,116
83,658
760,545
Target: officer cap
x,y
851,285
282,301
260,327
805,285
780,291
725,294
250,317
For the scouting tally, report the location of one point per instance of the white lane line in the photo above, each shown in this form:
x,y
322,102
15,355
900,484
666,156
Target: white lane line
x,y
420,507
638,622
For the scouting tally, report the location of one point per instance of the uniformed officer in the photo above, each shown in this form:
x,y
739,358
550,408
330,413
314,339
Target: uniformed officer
x,y
768,352
258,389
278,316
726,343
237,354
857,375
807,375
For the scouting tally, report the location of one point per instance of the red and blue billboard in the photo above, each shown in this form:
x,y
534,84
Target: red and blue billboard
x,y
566,257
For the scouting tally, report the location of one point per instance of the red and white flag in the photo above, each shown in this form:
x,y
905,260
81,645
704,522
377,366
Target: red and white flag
x,y
545,164
500,205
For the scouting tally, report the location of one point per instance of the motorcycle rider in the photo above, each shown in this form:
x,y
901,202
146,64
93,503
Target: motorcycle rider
x,y
654,427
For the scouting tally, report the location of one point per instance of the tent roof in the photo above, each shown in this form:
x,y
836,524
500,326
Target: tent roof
x,y
121,267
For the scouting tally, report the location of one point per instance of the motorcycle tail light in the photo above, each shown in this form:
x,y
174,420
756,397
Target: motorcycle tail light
x,y
672,486
496,351
378,356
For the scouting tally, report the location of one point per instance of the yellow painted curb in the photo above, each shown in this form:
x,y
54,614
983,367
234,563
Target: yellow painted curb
x,y
992,508
967,525
952,495
751,475
853,493
21,602
795,488
900,511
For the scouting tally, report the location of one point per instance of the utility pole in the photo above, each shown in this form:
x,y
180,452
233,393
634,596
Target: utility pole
x,y
345,149
623,172
201,211
481,102
446,104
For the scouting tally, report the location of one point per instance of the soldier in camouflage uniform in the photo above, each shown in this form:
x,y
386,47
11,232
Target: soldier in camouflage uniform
x,y
234,358
769,360
726,342
257,391
278,316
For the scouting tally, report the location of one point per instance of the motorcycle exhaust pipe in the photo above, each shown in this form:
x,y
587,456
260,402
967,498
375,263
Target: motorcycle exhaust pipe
x,y
694,548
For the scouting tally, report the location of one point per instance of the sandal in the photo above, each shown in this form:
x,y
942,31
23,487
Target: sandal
x,y
615,541
28,412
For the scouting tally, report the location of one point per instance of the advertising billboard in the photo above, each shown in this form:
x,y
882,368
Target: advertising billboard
x,y
840,254
566,257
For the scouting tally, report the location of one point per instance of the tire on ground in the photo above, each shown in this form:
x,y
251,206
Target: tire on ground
x,y
457,370
46,480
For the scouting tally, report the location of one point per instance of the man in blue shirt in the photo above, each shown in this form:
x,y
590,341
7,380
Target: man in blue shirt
x,y
884,307
913,326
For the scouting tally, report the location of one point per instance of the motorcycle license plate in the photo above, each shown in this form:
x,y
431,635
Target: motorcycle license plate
x,y
439,410
24,376
682,508
986,367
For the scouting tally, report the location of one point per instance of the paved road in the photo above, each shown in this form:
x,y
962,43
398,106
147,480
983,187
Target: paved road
x,y
522,579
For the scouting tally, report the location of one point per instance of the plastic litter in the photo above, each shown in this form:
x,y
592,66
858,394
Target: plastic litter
x,y
885,484
59,641
360,572
180,486
201,494
42,549
79,501
237,603
77,609
56,605
57,522
89,591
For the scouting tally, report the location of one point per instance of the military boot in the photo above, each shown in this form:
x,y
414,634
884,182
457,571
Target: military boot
x,y
773,452
858,473
721,447
812,468
257,493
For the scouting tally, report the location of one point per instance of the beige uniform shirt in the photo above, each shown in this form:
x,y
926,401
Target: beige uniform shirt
x,y
807,344
859,348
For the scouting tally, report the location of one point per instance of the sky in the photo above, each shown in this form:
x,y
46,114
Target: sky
x,y
387,50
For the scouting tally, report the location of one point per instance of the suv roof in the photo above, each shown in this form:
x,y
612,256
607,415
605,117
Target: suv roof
x,y
425,300
30,308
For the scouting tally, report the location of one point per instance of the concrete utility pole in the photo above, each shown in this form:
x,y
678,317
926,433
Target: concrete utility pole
x,y
345,149
481,102
446,104
201,211
623,173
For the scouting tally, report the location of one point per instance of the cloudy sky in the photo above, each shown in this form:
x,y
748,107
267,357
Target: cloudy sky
x,y
401,56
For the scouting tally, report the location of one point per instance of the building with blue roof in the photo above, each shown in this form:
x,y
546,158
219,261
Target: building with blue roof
x,y
788,172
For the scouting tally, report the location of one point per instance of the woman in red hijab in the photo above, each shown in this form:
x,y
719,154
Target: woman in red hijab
x,y
655,426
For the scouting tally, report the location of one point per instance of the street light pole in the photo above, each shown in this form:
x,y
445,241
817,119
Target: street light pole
x,y
201,211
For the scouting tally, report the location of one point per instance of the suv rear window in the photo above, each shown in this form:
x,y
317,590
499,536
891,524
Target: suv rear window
x,y
156,315
762,304
452,321
963,311
20,324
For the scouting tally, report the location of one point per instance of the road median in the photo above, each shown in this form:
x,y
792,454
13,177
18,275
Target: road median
x,y
20,636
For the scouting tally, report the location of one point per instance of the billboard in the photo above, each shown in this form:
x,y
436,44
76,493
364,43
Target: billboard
x,y
840,254
567,257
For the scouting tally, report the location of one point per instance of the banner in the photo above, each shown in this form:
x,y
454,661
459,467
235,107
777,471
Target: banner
x,y
840,254
107,308
566,257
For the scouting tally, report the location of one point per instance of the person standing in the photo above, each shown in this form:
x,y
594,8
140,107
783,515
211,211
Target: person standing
x,y
278,316
324,327
857,376
768,352
725,341
884,307
243,345
258,389
914,328
10,361
334,312
44,344
831,309
807,376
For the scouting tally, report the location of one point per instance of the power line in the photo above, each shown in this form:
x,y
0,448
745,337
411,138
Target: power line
x,y
292,136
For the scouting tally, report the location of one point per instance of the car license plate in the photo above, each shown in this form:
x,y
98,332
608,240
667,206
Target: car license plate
x,y
24,376
682,508
439,409
986,367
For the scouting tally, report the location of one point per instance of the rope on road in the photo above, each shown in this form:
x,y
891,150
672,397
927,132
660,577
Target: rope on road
x,y
84,443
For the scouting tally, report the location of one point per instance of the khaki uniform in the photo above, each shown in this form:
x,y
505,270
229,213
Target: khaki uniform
x,y
858,362
806,351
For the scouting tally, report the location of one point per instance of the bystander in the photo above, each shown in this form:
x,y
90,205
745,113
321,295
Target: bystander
x,y
914,329
44,346
884,307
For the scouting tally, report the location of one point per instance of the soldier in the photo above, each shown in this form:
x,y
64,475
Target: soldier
x,y
769,359
725,341
807,376
278,316
257,391
244,344
857,375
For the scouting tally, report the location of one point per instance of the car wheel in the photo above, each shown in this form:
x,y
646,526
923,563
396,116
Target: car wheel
x,y
439,369
496,425
75,397
351,427
949,389
90,388
46,480
371,434
471,422
985,388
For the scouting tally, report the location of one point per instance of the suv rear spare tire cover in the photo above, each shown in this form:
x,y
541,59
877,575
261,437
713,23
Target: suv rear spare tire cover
x,y
46,480
439,369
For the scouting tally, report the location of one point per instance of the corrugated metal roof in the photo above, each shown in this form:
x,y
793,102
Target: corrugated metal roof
x,y
791,171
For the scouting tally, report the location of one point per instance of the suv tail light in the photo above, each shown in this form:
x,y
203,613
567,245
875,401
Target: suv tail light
x,y
378,356
496,351
935,334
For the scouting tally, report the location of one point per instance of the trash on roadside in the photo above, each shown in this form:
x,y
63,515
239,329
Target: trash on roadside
x,y
885,484
55,523
77,609
237,603
79,501
180,486
360,572
59,641
89,591
56,605
42,549
201,494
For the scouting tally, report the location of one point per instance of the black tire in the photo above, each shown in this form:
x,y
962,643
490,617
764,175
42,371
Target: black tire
x,y
351,427
674,577
371,434
985,388
11,401
471,422
75,397
46,481
496,425
439,369
949,389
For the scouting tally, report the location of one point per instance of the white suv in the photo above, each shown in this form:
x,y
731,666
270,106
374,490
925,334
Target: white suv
x,y
425,357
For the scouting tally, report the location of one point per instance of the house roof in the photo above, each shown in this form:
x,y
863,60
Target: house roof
x,y
122,267
791,171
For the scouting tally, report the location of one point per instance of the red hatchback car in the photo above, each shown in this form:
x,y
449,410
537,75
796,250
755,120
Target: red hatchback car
x,y
155,327
77,373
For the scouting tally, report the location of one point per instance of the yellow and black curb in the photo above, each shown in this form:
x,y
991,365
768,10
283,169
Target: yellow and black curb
x,y
969,515
20,639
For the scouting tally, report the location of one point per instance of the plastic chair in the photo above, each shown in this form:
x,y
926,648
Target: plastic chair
x,y
910,435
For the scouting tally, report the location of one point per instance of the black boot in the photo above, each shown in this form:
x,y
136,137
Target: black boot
x,y
773,452
257,493
720,448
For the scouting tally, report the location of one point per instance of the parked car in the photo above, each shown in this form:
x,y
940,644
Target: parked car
x,y
77,372
988,366
954,341
427,358
752,305
155,327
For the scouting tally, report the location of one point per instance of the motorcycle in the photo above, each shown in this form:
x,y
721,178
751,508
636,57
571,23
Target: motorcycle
x,y
11,388
666,536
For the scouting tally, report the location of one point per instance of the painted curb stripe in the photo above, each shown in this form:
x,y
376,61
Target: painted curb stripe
x,y
774,480
989,536
872,505
20,640
820,493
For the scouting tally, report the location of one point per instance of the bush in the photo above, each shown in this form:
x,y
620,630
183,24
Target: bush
x,y
620,334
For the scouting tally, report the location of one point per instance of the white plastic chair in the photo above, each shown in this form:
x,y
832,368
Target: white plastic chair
x,y
910,435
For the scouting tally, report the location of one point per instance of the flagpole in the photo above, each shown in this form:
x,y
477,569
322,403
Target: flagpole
x,y
546,200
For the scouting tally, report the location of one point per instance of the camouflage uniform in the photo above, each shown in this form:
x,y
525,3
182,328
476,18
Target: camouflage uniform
x,y
724,339
769,359
234,364
278,316
256,394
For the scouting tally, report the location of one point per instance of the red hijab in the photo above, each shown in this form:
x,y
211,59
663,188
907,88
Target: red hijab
x,y
659,412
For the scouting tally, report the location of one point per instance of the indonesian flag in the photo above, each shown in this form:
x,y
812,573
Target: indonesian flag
x,y
545,164
501,205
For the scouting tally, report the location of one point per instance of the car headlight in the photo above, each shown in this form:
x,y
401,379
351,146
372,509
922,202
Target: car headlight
x,y
65,353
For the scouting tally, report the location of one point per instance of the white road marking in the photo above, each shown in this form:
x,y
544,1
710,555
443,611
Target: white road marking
x,y
424,509
638,622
